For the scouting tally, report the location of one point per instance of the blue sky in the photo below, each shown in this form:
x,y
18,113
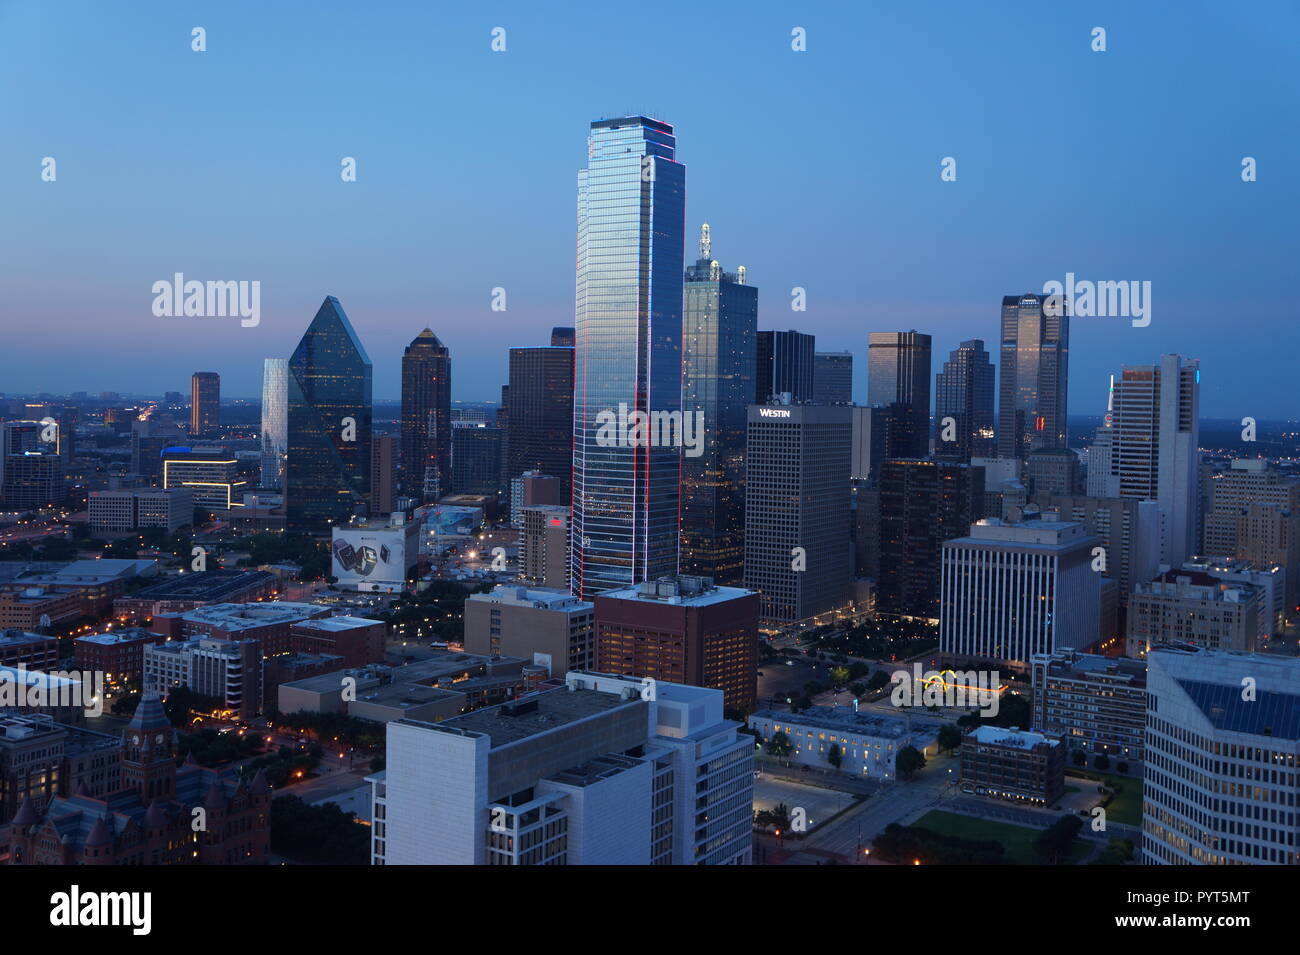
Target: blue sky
x,y
817,169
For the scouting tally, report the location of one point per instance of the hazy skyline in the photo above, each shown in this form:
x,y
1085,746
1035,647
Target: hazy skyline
x,y
224,165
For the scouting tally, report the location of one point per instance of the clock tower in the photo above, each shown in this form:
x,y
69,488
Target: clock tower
x,y
149,751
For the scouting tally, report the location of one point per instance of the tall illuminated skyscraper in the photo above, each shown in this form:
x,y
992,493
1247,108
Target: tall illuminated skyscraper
x,y
1033,375
205,402
719,335
628,356
327,475
426,418
275,420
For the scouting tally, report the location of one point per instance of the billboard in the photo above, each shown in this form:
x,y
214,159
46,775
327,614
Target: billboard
x,y
373,558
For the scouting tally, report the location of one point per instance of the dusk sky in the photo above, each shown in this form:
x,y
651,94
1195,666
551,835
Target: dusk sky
x,y
818,169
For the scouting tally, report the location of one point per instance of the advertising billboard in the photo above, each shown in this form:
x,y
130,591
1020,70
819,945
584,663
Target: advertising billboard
x,y
373,559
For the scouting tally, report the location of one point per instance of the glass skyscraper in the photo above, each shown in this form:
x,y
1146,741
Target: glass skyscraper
x,y
628,358
1032,377
540,426
963,391
898,378
426,418
327,474
785,366
719,338
275,420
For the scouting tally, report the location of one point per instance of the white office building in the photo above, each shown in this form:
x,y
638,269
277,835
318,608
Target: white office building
x,y
601,771
1012,590
1154,433
1222,771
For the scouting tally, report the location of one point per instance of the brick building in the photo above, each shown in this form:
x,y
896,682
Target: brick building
x,y
149,821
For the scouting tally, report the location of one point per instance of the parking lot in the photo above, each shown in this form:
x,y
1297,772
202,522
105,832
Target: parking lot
x,y
820,804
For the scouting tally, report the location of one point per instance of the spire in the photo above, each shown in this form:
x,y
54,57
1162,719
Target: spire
x,y
260,785
216,796
149,714
706,243
100,834
27,814
155,818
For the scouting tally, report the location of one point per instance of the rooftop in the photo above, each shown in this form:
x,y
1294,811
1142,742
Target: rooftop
x,y
844,720
1011,738
208,585
536,713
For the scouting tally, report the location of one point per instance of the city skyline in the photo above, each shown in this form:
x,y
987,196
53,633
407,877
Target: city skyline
x,y
283,195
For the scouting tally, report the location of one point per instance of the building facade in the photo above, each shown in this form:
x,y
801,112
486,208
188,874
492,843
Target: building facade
x,y
1011,591
797,554
631,234
327,475
719,338
1222,762
1033,375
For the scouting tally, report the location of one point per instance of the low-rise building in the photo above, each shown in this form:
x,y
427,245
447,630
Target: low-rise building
x,y
19,648
1093,703
1012,764
129,509
118,654
1187,606
867,744
187,591
552,628
41,759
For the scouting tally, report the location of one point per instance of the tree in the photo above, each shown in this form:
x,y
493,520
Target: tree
x,y
779,745
1102,761
1118,851
839,676
835,756
949,737
1056,840
878,681
1122,766
908,761
1079,757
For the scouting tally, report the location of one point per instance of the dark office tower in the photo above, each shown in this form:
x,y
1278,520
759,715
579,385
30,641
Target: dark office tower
x,y
631,235
785,366
833,378
539,436
1032,383
719,332
562,336
963,391
922,504
476,459
327,471
383,473
898,378
426,418
205,402
797,552
149,438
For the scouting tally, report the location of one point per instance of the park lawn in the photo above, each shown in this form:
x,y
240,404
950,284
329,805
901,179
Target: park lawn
x,y
1018,841
1126,807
